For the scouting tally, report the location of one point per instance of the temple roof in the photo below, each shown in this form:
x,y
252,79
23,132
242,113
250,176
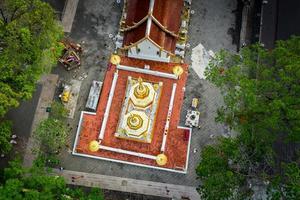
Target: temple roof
x,y
157,20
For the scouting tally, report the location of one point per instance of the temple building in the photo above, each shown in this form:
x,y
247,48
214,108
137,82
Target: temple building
x,y
137,118
153,29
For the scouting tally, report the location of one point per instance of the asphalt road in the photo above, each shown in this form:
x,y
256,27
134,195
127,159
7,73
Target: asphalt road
x,y
22,118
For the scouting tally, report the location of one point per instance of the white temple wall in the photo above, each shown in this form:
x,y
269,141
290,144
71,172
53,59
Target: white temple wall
x,y
148,51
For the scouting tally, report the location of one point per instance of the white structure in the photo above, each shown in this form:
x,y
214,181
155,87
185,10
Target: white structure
x,y
151,32
147,49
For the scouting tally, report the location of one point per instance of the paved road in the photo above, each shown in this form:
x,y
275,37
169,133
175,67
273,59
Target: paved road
x,y
129,185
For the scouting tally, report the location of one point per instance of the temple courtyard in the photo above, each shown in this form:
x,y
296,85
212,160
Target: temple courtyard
x,y
94,23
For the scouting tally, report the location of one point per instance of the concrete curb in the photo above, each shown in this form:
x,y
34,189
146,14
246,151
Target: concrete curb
x,y
129,185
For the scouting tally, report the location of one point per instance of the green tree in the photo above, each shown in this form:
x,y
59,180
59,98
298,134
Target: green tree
x,y
219,180
261,88
58,111
29,35
287,185
36,184
261,91
52,134
5,134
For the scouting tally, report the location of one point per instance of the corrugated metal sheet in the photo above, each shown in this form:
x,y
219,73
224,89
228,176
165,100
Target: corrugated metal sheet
x,y
94,94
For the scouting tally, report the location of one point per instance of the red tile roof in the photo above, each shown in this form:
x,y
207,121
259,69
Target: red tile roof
x,y
167,13
176,146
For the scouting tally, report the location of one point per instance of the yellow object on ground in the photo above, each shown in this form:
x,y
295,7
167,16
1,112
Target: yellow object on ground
x,y
94,146
177,70
115,59
161,159
65,96
195,102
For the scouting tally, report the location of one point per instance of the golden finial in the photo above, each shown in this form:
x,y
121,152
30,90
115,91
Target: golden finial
x,y
94,146
177,70
115,59
140,81
161,159
141,91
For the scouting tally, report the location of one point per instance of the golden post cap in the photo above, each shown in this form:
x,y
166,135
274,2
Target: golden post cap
x,y
177,70
161,159
94,146
115,59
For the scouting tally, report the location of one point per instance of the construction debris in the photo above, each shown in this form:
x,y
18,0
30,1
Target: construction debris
x,y
94,94
71,55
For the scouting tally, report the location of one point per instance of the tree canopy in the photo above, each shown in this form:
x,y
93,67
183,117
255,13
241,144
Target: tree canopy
x,y
261,90
29,35
35,184
29,47
5,132
52,134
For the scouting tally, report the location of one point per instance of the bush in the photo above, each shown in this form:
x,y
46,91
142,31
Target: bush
x,y
52,135
58,111
5,134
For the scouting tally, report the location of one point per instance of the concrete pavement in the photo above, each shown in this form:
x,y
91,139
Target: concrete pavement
x,y
69,14
129,185
48,83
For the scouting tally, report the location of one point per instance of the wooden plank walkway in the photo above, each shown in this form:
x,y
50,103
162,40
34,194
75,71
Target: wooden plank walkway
x,y
129,185
48,89
69,14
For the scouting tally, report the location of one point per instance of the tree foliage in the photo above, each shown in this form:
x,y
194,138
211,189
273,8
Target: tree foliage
x,y
261,91
58,111
29,35
287,185
52,134
219,180
5,133
36,184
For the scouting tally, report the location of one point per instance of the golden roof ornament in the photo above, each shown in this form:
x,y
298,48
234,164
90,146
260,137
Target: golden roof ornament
x,y
134,121
115,59
141,91
161,159
94,146
177,70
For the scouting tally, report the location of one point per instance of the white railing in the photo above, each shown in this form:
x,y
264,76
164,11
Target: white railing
x,y
147,71
166,130
132,153
107,109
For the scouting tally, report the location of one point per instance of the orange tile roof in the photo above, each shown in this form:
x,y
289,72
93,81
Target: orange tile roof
x,y
167,12
176,146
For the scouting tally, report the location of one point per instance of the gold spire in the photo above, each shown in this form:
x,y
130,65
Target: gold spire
x,y
134,121
141,86
141,91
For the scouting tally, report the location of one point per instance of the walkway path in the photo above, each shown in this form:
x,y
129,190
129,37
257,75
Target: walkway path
x,y
48,83
69,15
129,185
